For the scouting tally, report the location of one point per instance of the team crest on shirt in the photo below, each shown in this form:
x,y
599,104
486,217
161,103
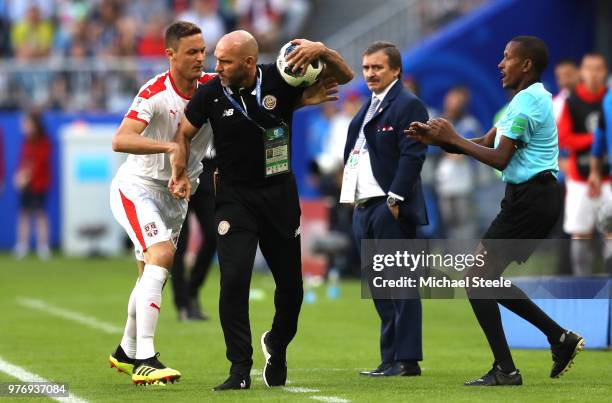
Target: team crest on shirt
x,y
223,227
269,102
150,229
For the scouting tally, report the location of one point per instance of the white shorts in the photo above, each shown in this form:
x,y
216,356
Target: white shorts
x,y
580,209
148,215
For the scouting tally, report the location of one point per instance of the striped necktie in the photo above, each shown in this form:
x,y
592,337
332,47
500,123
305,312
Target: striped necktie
x,y
368,116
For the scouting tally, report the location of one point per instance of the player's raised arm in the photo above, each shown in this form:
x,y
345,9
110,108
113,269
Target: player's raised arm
x,y
128,139
308,51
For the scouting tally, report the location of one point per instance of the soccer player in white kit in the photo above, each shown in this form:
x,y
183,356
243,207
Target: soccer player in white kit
x,y
140,198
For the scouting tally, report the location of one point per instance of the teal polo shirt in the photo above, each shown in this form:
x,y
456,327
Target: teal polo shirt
x,y
529,119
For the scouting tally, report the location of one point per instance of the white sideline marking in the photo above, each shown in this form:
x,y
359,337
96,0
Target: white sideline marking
x,y
298,389
330,399
25,376
69,315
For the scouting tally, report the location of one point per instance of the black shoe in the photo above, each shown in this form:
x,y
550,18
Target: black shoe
x,y
400,368
496,377
121,361
275,369
151,370
194,312
564,352
382,367
234,382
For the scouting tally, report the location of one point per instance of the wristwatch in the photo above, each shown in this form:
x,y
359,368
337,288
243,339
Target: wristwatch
x,y
392,201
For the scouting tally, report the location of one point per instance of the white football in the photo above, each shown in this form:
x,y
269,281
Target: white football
x,y
298,78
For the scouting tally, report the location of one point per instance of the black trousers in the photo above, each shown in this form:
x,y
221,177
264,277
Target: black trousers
x,y
245,216
202,204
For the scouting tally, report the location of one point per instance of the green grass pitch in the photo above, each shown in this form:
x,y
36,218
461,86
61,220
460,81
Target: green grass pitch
x,y
336,339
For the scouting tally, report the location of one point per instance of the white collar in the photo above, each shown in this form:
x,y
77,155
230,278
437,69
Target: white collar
x,y
382,95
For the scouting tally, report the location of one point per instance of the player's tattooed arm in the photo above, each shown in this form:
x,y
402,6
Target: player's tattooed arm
x,y
307,51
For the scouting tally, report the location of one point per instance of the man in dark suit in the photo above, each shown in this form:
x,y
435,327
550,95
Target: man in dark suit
x,y
382,177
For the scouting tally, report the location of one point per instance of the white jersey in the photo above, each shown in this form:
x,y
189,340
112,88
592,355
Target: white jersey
x,y
161,106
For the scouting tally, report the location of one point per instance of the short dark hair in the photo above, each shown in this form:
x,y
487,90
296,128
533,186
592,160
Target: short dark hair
x,y
389,49
533,48
178,30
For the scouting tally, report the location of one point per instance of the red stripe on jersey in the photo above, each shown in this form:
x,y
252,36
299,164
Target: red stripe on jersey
x,y
130,212
178,92
206,77
156,87
132,114
154,305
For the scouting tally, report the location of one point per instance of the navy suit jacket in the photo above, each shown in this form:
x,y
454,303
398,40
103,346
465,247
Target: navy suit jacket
x,y
396,160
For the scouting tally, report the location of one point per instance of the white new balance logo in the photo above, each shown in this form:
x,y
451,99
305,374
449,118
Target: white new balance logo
x,y
228,112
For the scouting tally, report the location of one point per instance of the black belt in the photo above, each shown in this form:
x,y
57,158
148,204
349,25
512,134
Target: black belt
x,y
544,176
371,201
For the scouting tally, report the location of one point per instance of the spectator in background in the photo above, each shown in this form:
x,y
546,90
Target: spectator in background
x,y
143,11
330,159
455,174
576,126
318,130
567,76
205,14
151,43
17,9
32,37
32,179
262,18
294,18
103,27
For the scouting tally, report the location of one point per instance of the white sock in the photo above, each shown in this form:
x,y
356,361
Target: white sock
x,y
128,342
148,305
582,257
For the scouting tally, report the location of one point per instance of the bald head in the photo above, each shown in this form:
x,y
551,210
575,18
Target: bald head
x,y
241,42
236,55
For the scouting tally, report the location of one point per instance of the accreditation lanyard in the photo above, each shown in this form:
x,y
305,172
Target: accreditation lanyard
x,y
276,139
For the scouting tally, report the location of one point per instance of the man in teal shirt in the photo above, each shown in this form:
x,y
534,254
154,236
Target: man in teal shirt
x,y
523,146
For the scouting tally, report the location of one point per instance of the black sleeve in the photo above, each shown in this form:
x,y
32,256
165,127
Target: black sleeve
x,y
197,110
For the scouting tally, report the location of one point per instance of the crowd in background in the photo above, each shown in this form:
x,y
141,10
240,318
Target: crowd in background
x,y
57,53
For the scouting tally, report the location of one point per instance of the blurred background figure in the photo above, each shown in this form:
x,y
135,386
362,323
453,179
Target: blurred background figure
x,y
206,15
567,76
263,19
32,179
578,121
455,174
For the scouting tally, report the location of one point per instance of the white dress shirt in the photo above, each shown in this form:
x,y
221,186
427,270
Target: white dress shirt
x,y
367,186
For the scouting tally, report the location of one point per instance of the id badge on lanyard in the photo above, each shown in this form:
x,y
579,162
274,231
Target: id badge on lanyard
x,y
349,176
275,139
276,147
